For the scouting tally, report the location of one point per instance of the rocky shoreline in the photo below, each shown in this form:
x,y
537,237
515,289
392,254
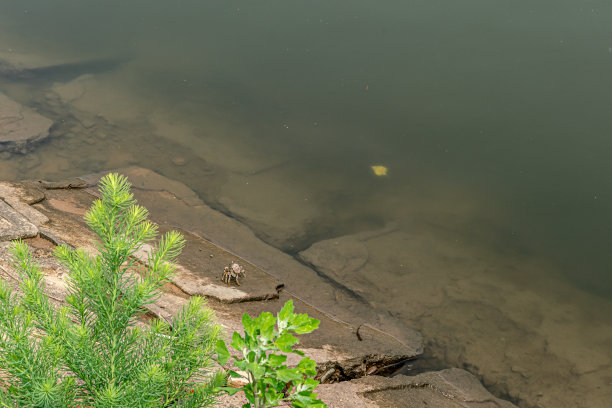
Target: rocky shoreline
x,y
352,351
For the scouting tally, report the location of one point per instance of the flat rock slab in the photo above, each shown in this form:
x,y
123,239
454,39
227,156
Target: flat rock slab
x,y
340,258
13,225
282,220
201,269
20,126
200,265
28,191
19,196
450,388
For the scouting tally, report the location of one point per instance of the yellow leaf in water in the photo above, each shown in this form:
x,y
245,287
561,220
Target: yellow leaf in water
x,y
379,170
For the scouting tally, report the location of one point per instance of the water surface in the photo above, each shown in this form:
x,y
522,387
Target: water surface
x,y
492,118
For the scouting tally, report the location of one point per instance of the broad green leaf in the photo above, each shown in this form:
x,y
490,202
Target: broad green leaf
x,y
249,324
305,397
256,370
223,354
237,341
275,360
274,382
265,323
314,403
285,342
309,384
284,315
302,324
286,311
250,342
308,366
288,374
241,364
251,357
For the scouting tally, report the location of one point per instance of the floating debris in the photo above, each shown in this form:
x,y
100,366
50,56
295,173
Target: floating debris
x,y
379,170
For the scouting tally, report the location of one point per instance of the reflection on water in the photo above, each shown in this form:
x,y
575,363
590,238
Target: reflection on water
x,y
492,119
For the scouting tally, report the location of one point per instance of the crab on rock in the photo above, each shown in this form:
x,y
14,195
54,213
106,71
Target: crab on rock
x,y
233,271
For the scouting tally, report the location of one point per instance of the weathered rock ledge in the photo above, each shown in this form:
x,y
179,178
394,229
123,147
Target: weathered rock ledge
x,y
353,348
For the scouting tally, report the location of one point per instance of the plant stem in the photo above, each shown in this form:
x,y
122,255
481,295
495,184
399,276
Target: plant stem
x,y
254,382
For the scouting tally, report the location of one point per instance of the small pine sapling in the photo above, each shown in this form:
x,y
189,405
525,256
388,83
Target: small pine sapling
x,y
90,352
270,381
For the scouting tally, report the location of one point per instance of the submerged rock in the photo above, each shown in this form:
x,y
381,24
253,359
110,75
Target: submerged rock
x,y
20,126
337,258
280,213
341,258
35,67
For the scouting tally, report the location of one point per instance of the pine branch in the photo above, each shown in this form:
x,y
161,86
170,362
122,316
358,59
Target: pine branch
x,y
90,353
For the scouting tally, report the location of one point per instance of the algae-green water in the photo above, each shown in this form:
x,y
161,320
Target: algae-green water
x,y
492,118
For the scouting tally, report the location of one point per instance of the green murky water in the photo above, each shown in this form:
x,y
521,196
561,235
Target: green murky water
x,y
493,119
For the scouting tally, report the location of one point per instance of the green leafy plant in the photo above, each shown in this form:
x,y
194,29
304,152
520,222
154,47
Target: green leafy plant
x,y
270,381
92,352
